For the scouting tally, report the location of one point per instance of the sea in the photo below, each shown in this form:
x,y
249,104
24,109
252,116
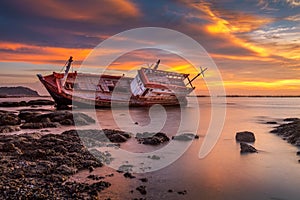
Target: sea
x,y
210,167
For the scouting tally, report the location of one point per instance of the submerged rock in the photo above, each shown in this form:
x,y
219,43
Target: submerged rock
x,y
142,189
246,148
185,137
128,175
154,157
184,192
271,122
144,180
245,136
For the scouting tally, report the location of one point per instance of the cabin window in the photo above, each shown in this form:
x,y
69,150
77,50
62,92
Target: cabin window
x,y
111,88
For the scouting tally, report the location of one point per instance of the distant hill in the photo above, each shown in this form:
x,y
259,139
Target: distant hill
x,y
19,91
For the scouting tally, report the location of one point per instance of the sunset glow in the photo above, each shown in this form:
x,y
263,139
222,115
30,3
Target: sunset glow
x,y
255,45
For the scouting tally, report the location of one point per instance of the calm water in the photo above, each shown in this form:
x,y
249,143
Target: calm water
x,y
273,173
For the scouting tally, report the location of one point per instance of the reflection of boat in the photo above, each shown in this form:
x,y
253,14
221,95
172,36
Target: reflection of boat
x,y
150,86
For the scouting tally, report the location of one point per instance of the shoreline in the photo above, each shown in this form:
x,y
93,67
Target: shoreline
x,y
51,165
289,131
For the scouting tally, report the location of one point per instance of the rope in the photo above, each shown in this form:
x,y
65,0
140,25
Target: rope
x,y
63,66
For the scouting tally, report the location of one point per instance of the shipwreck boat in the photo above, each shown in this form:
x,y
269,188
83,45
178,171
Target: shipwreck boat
x,y
150,86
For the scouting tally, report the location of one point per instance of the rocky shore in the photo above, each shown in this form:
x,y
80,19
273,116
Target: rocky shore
x,y
35,166
34,119
289,131
40,165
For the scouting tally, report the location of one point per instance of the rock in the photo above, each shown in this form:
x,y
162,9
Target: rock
x,y
95,177
9,119
12,104
64,118
110,175
144,180
289,131
9,129
10,147
128,175
125,168
63,107
152,138
66,170
245,136
39,125
38,167
291,119
182,192
185,137
271,122
154,157
67,122
40,102
82,119
142,189
91,168
116,136
246,148
27,115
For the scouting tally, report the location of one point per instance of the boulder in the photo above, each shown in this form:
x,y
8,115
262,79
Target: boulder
x,y
39,125
64,118
9,119
128,175
40,102
27,115
246,148
291,119
12,104
271,122
10,147
152,138
185,137
245,136
9,129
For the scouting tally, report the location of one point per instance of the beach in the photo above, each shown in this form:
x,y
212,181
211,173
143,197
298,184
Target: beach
x,y
53,162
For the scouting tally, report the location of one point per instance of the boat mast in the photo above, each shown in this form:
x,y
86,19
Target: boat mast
x,y
156,66
190,81
68,66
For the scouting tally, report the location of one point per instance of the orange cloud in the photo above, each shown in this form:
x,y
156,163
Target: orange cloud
x,y
38,54
105,11
241,23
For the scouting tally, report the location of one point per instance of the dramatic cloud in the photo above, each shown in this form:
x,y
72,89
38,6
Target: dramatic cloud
x,y
255,44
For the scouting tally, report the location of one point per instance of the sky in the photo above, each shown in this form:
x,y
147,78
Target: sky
x,y
255,44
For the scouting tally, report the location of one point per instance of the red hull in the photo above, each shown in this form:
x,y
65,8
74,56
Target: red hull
x,y
63,96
